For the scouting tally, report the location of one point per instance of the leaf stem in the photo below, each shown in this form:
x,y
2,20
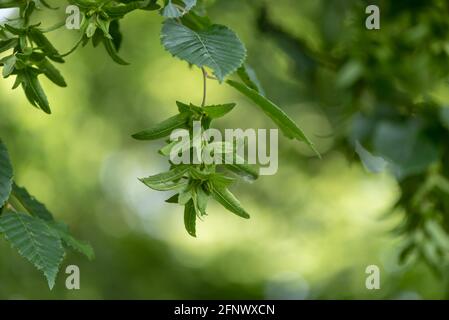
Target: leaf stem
x,y
203,103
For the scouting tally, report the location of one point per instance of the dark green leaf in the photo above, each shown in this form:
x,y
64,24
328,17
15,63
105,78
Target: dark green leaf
x,y
34,91
190,218
52,73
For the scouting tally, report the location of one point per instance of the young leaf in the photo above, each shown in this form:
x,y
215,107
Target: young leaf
x,y
44,44
190,218
6,175
216,47
35,241
109,46
34,91
283,121
164,128
52,73
245,171
201,199
30,203
192,109
222,195
218,111
166,150
8,65
168,180
185,196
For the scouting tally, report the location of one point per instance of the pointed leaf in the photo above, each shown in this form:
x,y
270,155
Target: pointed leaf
x,y
190,218
168,180
31,204
222,195
218,111
164,128
283,121
34,91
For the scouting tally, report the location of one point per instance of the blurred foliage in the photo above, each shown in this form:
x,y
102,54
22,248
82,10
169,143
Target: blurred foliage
x,y
316,225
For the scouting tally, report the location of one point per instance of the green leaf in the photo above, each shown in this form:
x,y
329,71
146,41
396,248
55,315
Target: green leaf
x,y
249,78
8,65
164,128
8,44
30,203
110,49
6,175
222,195
166,150
246,171
44,44
189,108
52,73
33,90
283,121
82,247
190,218
216,47
116,11
185,196
35,241
168,180
201,198
218,111
173,199
173,9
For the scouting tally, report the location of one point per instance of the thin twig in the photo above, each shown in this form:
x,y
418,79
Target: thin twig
x,y
203,103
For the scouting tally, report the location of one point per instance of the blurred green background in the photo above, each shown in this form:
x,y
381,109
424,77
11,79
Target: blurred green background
x,y
316,225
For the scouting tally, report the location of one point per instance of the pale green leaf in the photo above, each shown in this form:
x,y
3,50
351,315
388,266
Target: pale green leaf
x,y
166,181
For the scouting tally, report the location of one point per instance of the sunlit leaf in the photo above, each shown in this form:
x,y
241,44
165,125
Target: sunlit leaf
x,y
216,47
